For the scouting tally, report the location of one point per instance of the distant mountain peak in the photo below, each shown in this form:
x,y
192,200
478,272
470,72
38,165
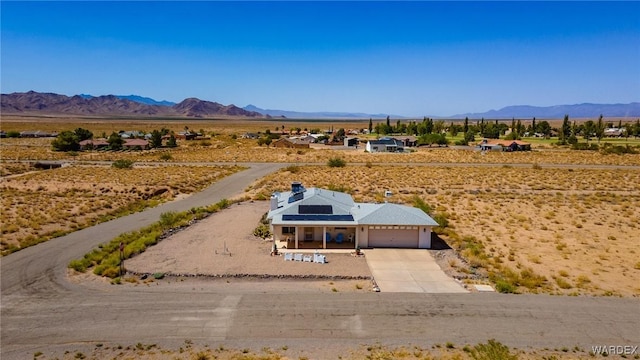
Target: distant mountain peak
x,y
114,105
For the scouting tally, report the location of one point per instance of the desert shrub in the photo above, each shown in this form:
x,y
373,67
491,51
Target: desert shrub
x,y
442,219
618,149
336,162
262,231
421,204
79,265
294,169
223,204
13,134
172,219
504,287
166,157
123,164
492,350
562,283
585,146
339,188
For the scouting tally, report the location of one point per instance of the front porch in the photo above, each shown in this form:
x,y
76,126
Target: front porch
x,y
315,237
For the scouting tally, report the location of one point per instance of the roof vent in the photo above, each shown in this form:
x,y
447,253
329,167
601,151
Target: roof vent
x,y
296,187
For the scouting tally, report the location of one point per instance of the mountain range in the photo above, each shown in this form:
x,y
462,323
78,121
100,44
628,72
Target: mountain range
x,y
48,103
130,105
319,114
585,110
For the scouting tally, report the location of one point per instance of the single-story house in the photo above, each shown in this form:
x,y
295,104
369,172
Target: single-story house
x,y
135,143
323,219
614,132
504,145
93,144
385,144
252,136
290,143
351,141
37,134
186,135
131,134
410,141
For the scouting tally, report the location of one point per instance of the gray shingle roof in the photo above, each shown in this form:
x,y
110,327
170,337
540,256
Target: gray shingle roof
x,y
394,214
343,204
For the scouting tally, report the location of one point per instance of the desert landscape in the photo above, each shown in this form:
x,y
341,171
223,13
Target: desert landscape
x,y
550,221
565,228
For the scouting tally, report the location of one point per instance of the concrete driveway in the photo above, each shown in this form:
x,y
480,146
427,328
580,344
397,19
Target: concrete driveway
x,y
410,271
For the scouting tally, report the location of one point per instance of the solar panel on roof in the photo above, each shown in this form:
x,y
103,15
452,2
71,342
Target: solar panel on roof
x,y
296,197
315,209
317,217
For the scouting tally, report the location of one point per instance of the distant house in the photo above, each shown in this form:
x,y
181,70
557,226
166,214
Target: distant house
x,y
186,135
131,134
37,134
252,136
290,143
93,144
351,141
385,145
308,138
504,145
318,218
409,141
614,132
135,144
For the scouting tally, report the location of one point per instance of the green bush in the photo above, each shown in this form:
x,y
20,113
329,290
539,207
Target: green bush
x,y
441,219
585,146
123,164
79,265
618,149
504,287
492,350
294,169
262,231
166,157
421,204
336,162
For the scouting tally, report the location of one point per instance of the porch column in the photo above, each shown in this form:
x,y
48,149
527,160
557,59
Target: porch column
x,y
324,237
296,236
357,236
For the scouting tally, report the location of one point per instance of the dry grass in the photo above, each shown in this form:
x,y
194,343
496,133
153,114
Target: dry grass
x,y
222,147
37,206
576,225
190,350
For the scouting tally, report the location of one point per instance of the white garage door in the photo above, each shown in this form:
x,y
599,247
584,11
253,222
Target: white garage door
x,y
393,238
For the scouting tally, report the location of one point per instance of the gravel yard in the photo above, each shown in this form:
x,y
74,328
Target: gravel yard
x,y
200,250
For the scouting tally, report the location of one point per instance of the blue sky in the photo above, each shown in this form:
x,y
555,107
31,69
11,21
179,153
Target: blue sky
x,y
403,58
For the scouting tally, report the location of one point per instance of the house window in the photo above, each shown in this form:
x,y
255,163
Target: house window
x,y
288,229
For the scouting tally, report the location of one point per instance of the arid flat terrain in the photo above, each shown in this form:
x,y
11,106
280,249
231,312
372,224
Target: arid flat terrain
x,y
78,196
577,228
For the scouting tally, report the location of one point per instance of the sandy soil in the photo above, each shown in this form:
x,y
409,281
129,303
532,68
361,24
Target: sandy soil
x,y
200,250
